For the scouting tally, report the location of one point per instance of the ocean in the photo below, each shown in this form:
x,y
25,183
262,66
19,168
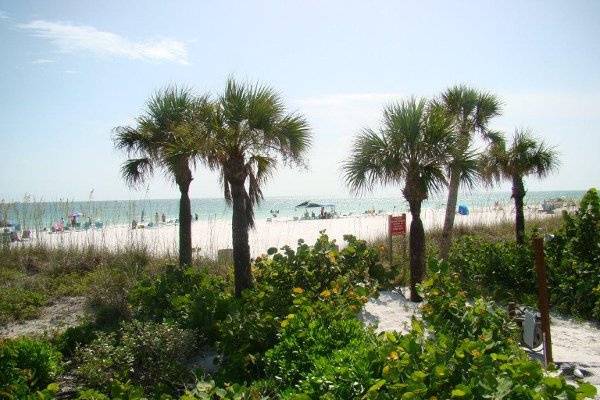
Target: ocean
x,y
38,215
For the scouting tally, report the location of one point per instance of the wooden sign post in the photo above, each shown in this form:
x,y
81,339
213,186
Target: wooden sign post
x,y
543,298
396,227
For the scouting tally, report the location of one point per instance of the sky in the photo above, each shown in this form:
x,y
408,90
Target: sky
x,y
71,71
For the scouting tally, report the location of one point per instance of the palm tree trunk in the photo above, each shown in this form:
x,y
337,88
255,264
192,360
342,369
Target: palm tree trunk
x,y
518,193
446,240
185,225
241,248
416,244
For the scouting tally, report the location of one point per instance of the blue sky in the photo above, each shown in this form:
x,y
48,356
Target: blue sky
x,y
70,71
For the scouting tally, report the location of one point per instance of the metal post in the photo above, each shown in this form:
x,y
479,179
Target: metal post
x,y
543,298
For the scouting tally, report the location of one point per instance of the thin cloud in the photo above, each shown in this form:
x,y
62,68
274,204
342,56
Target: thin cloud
x,y
71,38
43,61
4,15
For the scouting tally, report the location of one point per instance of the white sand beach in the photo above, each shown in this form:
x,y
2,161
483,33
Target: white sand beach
x,y
208,236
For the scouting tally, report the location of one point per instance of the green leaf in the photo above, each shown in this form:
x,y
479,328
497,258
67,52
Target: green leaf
x,y
586,390
376,386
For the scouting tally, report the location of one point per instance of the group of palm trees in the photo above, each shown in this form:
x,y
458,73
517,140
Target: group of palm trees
x,y
429,145
245,132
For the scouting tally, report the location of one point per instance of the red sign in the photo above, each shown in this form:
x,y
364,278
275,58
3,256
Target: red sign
x,y
397,225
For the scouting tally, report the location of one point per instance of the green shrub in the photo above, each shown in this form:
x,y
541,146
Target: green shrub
x,y
503,270
459,350
18,303
26,365
186,296
574,261
148,354
313,331
252,326
117,391
74,336
107,295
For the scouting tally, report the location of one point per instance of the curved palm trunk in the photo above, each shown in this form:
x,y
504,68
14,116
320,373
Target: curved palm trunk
x,y
241,248
416,244
518,193
446,240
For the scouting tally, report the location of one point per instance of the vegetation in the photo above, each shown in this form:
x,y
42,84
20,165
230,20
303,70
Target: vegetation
x,y
504,270
168,136
295,334
525,156
573,257
412,147
26,366
471,111
250,130
147,354
35,276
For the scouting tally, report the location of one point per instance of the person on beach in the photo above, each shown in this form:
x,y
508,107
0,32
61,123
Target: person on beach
x,y
133,224
156,218
142,219
196,216
164,219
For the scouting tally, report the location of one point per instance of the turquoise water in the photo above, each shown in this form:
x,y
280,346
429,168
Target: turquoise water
x,y
39,215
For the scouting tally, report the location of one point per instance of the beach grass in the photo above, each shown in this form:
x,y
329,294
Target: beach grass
x,y
36,275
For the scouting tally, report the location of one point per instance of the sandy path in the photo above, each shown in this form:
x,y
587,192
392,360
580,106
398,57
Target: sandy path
x,y
575,344
61,314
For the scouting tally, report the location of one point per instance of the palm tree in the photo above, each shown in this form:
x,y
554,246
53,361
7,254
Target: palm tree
x,y
250,132
470,110
525,156
412,147
167,137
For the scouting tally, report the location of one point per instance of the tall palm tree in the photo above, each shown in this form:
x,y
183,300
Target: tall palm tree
x,y
470,110
525,156
250,132
167,137
411,147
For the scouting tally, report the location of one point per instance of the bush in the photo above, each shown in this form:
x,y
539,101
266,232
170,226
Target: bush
x,y
148,354
107,295
18,303
503,270
26,365
75,336
459,350
251,328
313,331
186,296
574,261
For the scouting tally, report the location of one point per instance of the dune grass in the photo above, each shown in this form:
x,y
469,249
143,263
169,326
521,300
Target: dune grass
x,y
33,276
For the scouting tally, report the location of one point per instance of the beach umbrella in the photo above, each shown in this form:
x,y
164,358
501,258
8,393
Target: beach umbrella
x,y
303,204
313,205
76,214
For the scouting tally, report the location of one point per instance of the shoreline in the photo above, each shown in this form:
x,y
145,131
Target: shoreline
x,y
210,236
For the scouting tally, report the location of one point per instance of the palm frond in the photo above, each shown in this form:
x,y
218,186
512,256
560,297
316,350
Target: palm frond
x,y
135,170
